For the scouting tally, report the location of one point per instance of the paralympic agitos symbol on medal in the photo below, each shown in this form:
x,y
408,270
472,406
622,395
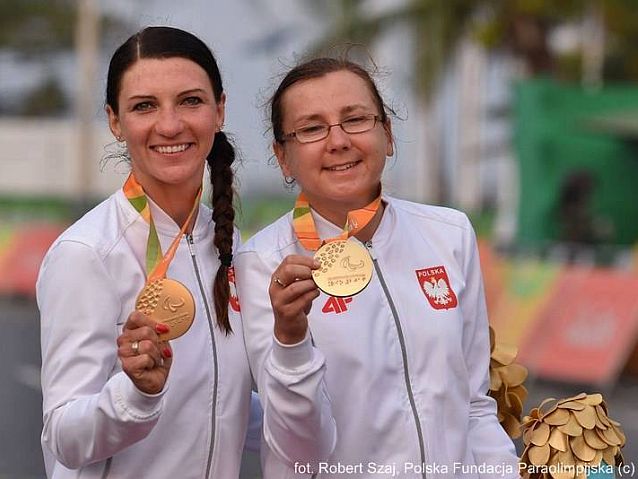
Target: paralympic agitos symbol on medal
x,y
346,267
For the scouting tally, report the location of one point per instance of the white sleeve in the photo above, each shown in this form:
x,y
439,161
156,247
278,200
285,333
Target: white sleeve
x,y
298,421
489,442
89,415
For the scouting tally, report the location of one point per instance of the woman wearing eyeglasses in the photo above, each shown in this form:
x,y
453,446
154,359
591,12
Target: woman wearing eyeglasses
x,y
363,315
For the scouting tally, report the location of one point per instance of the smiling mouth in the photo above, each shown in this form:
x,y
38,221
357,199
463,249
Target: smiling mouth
x,y
343,167
170,149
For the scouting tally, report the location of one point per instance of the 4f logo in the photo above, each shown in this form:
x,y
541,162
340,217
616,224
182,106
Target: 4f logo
x,y
436,286
336,305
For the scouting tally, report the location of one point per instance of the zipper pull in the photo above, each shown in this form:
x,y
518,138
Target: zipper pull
x,y
368,245
189,241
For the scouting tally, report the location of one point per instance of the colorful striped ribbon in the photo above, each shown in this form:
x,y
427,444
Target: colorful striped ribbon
x,y
306,231
156,263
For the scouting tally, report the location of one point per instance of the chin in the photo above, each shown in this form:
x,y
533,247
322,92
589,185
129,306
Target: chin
x,y
353,198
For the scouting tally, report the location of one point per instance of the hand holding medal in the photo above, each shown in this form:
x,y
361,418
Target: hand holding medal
x,y
340,267
145,358
292,291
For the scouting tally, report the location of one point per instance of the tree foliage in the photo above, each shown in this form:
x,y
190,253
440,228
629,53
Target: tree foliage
x,y
38,27
47,99
519,26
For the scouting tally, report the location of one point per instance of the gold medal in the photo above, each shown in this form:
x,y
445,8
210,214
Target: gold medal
x,y
346,268
170,302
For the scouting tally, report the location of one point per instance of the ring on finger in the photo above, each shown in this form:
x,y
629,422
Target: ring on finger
x,y
279,282
135,346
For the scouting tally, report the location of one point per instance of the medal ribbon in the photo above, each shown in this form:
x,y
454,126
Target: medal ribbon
x,y
156,263
306,231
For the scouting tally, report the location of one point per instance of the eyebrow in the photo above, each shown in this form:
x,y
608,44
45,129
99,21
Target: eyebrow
x,y
201,91
344,110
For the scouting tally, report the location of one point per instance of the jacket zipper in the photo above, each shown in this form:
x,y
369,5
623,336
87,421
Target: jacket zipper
x,y
404,355
107,468
189,240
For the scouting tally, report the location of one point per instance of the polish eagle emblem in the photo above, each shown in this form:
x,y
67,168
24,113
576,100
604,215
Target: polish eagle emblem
x,y
438,291
435,284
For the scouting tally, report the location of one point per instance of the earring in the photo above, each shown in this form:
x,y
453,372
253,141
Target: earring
x,y
120,139
289,180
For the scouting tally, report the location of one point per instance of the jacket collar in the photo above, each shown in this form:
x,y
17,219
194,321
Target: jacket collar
x,y
326,229
164,224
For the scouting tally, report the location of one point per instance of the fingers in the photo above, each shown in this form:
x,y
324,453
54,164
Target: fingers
x,y
289,309
293,293
144,357
146,349
294,268
137,329
137,320
291,318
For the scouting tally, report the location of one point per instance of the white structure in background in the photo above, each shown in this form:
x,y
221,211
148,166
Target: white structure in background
x,y
248,39
40,157
87,33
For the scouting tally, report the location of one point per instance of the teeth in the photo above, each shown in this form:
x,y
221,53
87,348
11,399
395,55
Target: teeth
x,y
172,148
342,167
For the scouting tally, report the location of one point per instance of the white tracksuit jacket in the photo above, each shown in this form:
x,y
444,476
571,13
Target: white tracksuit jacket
x,y
96,423
395,384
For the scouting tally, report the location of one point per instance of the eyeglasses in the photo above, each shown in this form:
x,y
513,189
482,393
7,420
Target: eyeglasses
x,y
319,131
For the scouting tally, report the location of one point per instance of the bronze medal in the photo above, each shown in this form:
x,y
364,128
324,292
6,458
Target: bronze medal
x,y
170,302
346,268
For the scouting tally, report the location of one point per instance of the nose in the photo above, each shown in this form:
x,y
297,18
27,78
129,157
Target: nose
x,y
169,123
337,139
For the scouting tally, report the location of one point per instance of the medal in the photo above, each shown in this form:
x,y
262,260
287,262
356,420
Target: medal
x,y
346,268
163,300
169,302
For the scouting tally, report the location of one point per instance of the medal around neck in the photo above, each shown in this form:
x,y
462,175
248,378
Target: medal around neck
x,y
346,268
169,302
163,300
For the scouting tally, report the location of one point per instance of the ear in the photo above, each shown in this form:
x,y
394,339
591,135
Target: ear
x,y
114,122
387,128
282,159
220,108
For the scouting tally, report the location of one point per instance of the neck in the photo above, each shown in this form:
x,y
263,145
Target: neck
x,y
366,233
175,202
339,215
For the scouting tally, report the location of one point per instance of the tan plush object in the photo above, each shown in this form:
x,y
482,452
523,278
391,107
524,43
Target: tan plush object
x,y
570,432
506,385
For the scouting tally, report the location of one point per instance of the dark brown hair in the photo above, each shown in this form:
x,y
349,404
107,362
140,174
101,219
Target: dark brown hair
x,y
316,68
168,42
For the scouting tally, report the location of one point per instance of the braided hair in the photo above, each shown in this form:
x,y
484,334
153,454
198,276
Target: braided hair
x,y
220,160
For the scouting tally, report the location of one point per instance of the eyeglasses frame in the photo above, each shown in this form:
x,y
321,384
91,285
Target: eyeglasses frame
x,y
293,134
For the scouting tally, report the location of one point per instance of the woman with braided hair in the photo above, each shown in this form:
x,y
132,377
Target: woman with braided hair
x,y
140,376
